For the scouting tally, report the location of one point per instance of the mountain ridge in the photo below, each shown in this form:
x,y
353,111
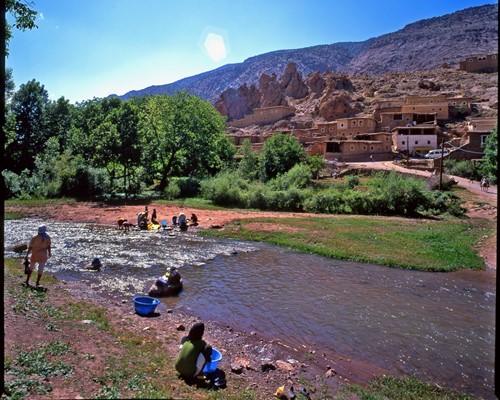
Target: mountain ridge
x,y
422,45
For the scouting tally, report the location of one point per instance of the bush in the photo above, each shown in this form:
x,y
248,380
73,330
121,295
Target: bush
x,y
327,202
298,176
226,189
172,191
464,169
446,202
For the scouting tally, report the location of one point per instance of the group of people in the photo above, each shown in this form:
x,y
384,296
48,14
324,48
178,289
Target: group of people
x,y
180,221
194,351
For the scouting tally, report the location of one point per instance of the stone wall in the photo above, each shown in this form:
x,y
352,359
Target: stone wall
x,y
265,115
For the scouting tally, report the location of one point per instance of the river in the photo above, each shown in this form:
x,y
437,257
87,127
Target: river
x,y
436,326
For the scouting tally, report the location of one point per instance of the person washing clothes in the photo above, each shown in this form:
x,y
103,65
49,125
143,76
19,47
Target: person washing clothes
x,y
194,353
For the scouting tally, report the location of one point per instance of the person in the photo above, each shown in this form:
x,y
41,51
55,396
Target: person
x,y
171,277
40,248
142,219
174,220
95,265
182,221
371,158
153,217
194,353
194,219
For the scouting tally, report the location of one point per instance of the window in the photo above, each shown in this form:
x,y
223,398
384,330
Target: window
x,y
483,139
352,147
493,57
322,130
403,142
360,123
371,147
353,123
416,141
364,147
428,142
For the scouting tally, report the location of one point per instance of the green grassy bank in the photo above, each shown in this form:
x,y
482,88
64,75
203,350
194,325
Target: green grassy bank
x,y
428,245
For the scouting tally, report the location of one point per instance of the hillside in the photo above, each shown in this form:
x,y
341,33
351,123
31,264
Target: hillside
x,y
423,45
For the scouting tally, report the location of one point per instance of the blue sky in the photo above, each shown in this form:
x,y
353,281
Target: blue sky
x,y
92,48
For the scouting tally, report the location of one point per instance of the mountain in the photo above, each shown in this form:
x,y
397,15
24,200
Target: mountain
x,y
423,45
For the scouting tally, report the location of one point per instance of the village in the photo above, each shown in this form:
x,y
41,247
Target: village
x,y
405,128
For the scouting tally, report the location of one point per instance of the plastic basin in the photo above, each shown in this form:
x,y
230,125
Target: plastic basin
x,y
212,366
145,305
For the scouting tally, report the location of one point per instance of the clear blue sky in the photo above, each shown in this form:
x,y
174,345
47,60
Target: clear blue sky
x,y
92,48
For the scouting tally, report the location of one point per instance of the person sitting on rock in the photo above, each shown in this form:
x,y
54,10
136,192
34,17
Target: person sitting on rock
x,y
194,353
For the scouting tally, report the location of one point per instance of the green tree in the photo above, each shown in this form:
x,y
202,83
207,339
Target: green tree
x,y
316,164
29,107
248,166
24,18
490,163
279,154
59,120
128,149
183,135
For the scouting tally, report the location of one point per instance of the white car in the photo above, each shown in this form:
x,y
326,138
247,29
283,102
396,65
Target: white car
x,y
436,153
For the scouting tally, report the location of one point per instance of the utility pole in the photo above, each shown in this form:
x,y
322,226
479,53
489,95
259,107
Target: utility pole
x,y
407,151
441,166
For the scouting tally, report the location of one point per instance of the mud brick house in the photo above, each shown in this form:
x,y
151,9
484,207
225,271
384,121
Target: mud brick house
x,y
441,109
471,144
415,140
480,64
389,121
378,145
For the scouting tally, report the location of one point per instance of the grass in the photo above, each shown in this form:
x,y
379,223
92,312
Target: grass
x,y
135,366
389,387
428,245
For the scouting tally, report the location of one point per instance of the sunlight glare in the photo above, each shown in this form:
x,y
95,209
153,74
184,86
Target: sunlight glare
x,y
215,46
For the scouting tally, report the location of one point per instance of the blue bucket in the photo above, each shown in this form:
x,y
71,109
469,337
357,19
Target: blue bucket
x,y
145,305
212,366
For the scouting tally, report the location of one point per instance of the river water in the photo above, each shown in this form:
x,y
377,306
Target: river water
x,y
436,326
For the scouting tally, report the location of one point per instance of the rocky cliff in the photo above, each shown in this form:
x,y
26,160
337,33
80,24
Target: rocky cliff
x,y
423,45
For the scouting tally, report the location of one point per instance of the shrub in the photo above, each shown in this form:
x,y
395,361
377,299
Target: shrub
x,y
464,169
225,189
328,202
172,191
298,176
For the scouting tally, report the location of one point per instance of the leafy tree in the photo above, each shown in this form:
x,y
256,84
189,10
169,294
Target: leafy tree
x,y
490,163
24,18
29,106
316,164
183,135
128,149
279,154
59,120
248,166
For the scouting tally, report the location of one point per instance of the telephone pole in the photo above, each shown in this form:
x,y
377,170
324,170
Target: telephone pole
x,y
441,166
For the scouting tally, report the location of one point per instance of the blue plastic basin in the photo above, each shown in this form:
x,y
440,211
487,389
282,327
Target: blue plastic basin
x,y
145,305
212,366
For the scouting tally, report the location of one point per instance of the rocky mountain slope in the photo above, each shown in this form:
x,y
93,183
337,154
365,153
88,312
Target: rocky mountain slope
x,y
423,45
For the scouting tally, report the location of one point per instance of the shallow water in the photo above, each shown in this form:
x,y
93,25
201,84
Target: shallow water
x,y
437,326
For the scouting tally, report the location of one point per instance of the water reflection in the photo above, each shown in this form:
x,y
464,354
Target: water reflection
x,y
437,326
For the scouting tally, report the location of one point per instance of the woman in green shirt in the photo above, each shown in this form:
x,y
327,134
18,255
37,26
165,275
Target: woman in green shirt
x,y
194,353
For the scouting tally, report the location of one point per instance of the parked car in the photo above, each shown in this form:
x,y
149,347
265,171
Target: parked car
x,y
436,153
